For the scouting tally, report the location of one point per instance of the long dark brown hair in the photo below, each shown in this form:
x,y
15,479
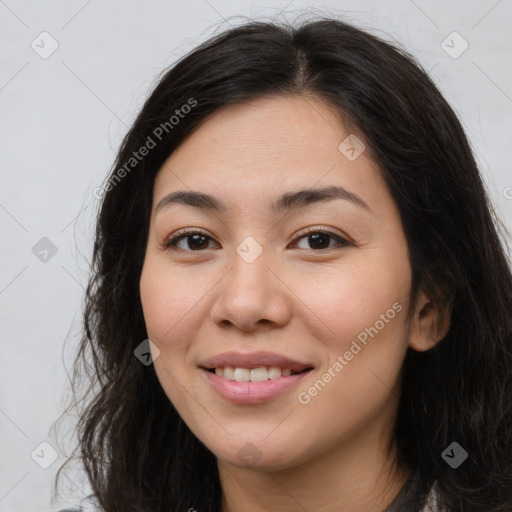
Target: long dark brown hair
x,y
136,450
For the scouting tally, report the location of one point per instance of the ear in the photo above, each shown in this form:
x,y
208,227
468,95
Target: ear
x,y
429,325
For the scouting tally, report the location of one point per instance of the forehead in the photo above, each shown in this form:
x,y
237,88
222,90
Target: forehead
x,y
264,146
278,128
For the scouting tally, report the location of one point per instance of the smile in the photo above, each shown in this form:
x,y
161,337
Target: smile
x,y
247,392
260,374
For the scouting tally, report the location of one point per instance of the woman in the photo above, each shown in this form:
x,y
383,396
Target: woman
x,y
297,223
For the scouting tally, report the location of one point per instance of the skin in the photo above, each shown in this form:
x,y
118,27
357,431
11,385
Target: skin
x,y
297,299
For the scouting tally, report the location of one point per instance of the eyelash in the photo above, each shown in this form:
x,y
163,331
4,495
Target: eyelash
x,y
171,243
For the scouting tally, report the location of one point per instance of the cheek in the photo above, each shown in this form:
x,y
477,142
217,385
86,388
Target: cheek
x,y
363,328
347,301
364,333
168,302
168,306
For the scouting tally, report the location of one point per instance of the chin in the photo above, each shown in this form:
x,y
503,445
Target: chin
x,y
259,452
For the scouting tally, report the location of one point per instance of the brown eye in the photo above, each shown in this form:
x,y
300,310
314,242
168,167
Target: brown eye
x,y
321,239
193,241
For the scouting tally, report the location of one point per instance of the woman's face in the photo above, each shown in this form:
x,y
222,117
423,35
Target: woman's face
x,y
254,284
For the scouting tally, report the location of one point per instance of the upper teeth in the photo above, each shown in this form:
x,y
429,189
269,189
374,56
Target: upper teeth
x,y
254,375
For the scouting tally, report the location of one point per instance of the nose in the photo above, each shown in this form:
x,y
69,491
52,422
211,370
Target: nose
x,y
252,296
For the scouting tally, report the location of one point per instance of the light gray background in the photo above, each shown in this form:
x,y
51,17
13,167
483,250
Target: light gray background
x,y
63,117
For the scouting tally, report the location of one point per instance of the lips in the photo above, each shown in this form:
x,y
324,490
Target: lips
x,y
254,360
251,393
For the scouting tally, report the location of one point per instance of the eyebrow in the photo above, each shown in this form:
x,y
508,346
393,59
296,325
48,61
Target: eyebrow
x,y
285,202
